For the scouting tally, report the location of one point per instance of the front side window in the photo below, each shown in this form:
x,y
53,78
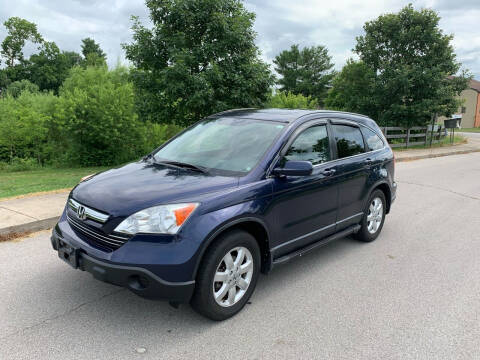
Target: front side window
x,y
311,145
349,140
232,146
373,140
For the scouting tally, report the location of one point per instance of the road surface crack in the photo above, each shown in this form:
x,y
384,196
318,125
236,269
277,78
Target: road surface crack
x,y
68,312
440,188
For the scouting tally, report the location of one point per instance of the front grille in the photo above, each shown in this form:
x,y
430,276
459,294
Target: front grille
x,y
88,212
94,236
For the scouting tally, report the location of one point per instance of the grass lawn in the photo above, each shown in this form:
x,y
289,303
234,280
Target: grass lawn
x,y
14,183
459,139
475,130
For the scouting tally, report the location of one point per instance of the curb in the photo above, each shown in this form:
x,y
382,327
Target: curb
x,y
39,193
29,227
429,156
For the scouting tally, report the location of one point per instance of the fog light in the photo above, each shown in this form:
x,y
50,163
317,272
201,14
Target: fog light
x,y
138,282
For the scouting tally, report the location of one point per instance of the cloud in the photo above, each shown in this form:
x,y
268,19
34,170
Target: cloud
x,y
454,5
68,21
279,23
334,24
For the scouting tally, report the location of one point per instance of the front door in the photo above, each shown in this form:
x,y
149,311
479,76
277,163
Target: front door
x,y
304,207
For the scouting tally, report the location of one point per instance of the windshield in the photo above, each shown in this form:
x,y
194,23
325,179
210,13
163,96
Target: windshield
x,y
229,144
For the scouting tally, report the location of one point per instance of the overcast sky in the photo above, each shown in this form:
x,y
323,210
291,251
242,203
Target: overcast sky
x,y
279,23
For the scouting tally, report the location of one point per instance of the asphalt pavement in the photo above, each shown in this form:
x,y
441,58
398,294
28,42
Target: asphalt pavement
x,y
412,294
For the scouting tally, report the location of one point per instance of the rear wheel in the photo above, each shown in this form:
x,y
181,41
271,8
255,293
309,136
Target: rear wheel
x,y
227,276
373,218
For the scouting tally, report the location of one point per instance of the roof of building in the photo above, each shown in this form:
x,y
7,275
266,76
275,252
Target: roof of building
x,y
475,85
283,115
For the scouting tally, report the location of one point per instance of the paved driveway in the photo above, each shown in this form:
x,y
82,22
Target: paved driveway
x,y
414,293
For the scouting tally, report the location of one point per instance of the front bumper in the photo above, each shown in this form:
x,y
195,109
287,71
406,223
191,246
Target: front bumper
x,y
137,279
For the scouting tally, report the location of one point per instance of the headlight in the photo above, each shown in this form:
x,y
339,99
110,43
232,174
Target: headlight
x,y
163,219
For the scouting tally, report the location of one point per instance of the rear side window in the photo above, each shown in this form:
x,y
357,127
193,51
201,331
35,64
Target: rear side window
x,y
349,140
373,140
311,145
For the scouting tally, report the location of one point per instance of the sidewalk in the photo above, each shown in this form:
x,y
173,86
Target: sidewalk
x,y
30,213
473,145
40,212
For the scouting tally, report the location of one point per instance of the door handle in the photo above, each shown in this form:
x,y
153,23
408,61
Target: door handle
x,y
368,161
328,172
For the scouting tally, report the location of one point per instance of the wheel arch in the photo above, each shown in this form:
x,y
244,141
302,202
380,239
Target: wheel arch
x,y
255,226
385,188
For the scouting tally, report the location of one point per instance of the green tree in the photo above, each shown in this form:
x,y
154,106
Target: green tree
x,y
72,58
199,58
96,110
17,87
10,74
307,71
23,124
92,53
288,64
19,32
288,100
353,90
49,68
411,58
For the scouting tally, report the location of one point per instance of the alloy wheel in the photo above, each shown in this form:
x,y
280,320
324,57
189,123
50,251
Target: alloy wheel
x,y
233,276
375,215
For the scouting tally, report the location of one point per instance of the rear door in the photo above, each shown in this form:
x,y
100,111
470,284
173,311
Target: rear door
x,y
352,170
304,207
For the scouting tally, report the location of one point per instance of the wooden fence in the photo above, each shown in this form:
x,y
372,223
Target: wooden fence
x,y
418,135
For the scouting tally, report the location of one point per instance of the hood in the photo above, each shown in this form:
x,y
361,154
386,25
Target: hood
x,y
139,185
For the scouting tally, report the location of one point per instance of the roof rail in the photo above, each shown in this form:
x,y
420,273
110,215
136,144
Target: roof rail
x,y
231,110
347,112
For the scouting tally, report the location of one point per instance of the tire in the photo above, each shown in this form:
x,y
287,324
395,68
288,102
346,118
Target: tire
x,y
370,230
230,273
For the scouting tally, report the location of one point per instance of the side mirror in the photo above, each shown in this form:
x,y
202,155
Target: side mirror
x,y
294,168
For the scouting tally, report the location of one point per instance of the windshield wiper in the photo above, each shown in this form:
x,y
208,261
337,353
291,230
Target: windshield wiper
x,y
185,165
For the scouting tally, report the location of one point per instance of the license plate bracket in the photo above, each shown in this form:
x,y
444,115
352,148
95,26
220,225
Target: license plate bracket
x,y
68,253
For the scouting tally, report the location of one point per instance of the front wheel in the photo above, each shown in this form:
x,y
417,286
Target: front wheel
x,y
227,276
373,218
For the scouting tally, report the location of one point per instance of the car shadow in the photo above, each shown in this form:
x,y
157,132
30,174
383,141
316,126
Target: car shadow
x,y
276,281
315,258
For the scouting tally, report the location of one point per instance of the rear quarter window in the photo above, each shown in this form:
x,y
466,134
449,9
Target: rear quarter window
x,y
374,142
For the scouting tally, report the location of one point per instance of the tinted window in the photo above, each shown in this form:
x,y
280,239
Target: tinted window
x,y
373,140
349,140
311,145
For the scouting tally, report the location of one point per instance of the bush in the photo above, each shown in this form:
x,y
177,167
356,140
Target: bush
x,y
17,87
288,100
19,164
95,114
24,125
91,122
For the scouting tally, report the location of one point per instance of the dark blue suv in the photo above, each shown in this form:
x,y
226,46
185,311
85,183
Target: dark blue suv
x,y
234,195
